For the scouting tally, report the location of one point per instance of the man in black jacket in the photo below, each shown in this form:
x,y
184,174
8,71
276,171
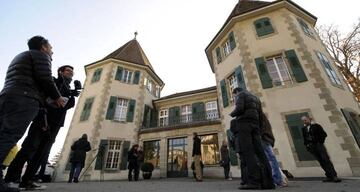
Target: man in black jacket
x,y
196,154
78,156
247,130
37,145
314,139
28,80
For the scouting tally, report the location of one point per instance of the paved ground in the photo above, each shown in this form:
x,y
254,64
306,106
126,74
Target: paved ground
x,y
188,185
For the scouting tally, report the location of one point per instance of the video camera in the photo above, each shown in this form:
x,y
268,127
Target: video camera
x,y
77,87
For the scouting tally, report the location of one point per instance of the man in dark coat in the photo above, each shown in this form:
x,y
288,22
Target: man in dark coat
x,y
28,80
133,163
196,154
37,144
247,113
78,156
225,159
314,139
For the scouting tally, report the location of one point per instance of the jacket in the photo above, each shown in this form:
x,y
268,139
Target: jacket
x,y
266,130
79,149
29,74
196,146
316,134
132,158
225,155
247,107
56,116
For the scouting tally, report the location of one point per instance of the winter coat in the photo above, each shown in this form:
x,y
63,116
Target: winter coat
x,y
266,130
132,158
29,74
224,155
196,146
315,135
79,149
247,107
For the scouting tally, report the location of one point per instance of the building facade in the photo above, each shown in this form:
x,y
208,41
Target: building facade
x,y
268,48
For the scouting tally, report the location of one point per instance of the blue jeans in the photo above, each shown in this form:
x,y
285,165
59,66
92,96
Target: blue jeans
x,y
273,163
75,171
16,113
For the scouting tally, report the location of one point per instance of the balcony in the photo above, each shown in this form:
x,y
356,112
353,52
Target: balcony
x,y
183,121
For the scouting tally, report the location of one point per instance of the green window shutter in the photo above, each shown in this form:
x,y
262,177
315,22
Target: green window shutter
x,y
96,75
146,118
174,115
131,110
100,158
111,108
224,93
124,157
263,27
232,153
295,125
218,55
265,78
353,124
136,77
232,40
240,77
295,66
87,109
119,72
153,117
198,111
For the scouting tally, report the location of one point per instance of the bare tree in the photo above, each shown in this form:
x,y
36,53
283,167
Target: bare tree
x,y
345,50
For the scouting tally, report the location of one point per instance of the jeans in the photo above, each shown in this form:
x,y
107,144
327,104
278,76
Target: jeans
x,y
273,163
75,171
227,170
16,113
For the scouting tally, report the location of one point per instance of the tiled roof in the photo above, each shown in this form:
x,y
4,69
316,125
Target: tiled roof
x,y
130,52
188,93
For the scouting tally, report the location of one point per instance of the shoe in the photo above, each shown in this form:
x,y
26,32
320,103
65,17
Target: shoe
x,y
31,186
229,179
334,180
76,180
249,186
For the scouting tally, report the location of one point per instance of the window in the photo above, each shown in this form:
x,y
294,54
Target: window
x,y
278,70
226,48
96,76
86,109
210,149
157,91
212,110
263,27
328,69
113,155
305,27
232,85
121,109
164,117
186,114
152,152
149,85
127,76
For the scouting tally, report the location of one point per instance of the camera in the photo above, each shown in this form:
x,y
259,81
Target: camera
x,y
77,87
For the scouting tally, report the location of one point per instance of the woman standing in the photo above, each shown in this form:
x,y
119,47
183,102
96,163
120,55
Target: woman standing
x,y
79,149
133,163
225,160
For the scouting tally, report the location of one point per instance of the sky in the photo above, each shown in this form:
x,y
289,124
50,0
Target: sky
x,y
172,33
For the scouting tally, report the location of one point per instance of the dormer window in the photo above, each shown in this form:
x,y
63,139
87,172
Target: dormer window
x,y
263,27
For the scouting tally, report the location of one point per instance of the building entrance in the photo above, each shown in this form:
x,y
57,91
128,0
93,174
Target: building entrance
x,y
177,158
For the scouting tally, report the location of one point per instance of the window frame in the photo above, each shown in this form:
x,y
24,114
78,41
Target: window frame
x,y
330,72
115,161
165,116
305,28
157,151
121,109
127,76
216,150
186,115
278,71
232,83
96,75
212,112
83,115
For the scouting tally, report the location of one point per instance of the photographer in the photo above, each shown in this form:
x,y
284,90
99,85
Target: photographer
x,y
42,134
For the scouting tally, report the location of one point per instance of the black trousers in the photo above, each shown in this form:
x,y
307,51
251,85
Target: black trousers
x,y
34,150
136,173
16,113
320,153
253,157
226,170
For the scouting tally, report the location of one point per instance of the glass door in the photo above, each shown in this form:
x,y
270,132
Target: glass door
x,y
177,158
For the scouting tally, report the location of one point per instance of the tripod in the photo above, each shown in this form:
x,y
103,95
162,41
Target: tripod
x,y
100,156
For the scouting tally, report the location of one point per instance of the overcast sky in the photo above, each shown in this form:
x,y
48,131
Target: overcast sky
x,y
173,33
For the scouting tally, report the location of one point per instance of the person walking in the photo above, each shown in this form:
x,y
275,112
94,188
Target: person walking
x,y
28,79
225,159
314,139
196,154
247,130
77,159
133,165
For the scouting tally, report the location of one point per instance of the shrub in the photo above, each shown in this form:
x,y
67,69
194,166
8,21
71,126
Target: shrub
x,y
147,167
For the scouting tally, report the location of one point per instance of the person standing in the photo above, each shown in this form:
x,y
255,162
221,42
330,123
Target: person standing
x,y
225,159
77,160
37,144
140,157
247,130
133,163
314,139
196,154
28,80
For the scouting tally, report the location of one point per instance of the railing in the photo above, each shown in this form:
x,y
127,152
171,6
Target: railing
x,y
184,119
